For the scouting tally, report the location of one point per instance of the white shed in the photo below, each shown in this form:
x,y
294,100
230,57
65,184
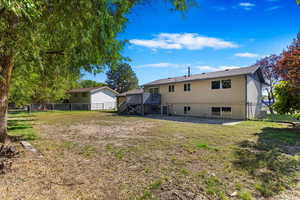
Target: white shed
x,y
97,98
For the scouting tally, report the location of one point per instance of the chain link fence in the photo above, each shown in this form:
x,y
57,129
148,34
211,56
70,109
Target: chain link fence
x,y
72,106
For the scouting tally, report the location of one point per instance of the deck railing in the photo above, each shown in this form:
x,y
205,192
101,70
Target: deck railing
x,y
144,98
151,98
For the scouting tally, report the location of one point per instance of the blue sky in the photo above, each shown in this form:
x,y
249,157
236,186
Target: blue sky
x,y
216,35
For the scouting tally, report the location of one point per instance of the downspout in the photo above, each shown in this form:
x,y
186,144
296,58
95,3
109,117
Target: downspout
x,y
142,104
246,97
90,96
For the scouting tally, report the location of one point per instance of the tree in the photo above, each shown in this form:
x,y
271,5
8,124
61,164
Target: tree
x,y
121,78
90,84
268,66
295,43
40,85
288,92
79,34
286,102
289,66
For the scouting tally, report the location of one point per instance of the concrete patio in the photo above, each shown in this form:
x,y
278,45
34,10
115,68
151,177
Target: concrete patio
x,y
196,120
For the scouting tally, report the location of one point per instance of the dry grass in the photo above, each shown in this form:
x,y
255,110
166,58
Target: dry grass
x,y
93,155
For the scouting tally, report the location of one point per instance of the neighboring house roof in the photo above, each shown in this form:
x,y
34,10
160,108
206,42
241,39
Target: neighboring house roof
x,y
93,89
209,75
132,92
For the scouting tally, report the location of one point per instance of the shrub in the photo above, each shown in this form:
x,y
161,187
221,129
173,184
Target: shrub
x,y
297,116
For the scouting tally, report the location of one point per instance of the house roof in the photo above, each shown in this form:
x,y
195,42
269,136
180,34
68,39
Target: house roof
x,y
131,92
210,75
92,89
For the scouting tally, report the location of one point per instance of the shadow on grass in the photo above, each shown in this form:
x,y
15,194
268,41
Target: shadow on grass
x,y
273,160
21,129
13,122
110,111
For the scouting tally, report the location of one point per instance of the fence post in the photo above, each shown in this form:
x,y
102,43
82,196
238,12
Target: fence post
x,y
29,108
70,106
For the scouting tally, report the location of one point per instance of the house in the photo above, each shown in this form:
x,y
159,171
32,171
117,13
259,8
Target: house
x,y
232,93
137,101
97,98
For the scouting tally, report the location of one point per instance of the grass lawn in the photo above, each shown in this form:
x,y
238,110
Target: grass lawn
x,y
280,118
100,155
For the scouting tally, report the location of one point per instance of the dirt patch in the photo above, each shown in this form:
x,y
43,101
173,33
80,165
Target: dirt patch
x,y
98,132
90,155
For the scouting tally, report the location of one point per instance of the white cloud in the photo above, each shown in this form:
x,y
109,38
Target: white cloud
x,y
206,68
163,65
246,5
190,41
219,8
211,68
246,55
229,67
272,8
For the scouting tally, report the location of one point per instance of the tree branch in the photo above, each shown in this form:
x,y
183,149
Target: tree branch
x,y
2,10
58,52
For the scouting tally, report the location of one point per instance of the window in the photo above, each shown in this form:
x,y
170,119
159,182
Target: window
x,y
154,90
215,85
186,109
226,84
226,109
187,87
221,111
171,88
216,111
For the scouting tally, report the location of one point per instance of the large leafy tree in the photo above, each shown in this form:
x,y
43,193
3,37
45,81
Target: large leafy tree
x,y
79,34
40,85
90,84
268,66
286,101
121,78
289,65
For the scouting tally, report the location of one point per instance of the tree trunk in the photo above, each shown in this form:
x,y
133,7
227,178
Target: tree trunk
x,y
6,66
271,110
271,100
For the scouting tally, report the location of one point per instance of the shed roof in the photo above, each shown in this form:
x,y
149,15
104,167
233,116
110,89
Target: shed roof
x,y
132,92
92,89
210,75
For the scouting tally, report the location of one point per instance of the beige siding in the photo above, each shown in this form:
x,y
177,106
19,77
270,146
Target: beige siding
x,y
201,97
204,110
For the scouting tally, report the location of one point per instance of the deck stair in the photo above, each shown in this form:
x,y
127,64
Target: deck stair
x,y
123,107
